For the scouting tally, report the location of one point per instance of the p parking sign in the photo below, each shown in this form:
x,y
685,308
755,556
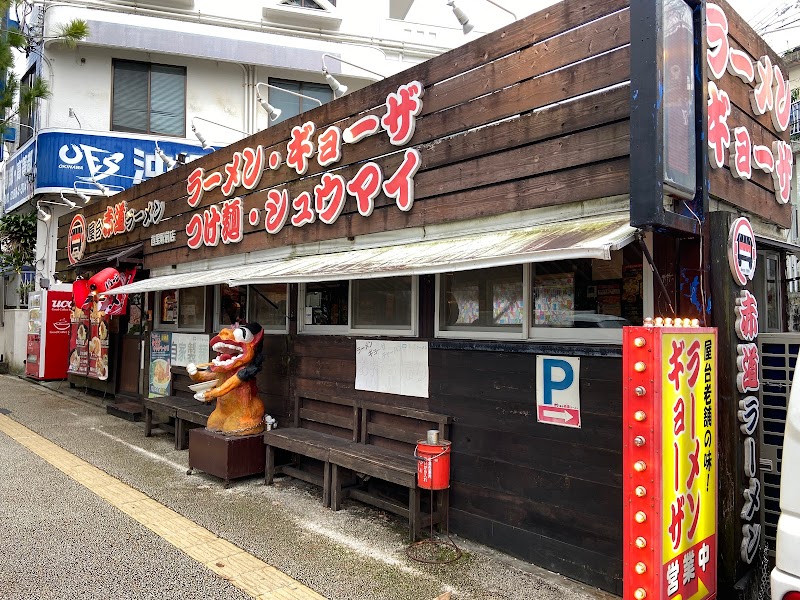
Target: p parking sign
x,y
558,399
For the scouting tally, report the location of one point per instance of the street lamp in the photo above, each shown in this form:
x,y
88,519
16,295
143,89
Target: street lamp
x,y
339,89
273,112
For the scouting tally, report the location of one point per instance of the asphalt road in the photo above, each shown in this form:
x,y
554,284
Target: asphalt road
x,y
60,540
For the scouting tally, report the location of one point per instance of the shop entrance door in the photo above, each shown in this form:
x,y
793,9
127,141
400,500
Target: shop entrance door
x,y
130,350
778,352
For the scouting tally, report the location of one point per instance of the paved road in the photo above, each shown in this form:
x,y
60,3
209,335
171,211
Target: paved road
x,y
68,530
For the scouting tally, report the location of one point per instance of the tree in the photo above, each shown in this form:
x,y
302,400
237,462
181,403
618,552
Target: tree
x,y
28,38
17,241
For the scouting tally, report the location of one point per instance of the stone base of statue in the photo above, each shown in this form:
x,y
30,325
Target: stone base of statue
x,y
226,457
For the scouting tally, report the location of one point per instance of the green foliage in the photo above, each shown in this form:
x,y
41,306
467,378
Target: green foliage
x,y
17,241
29,40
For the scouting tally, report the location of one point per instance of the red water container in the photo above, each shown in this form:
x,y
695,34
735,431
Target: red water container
x,y
433,465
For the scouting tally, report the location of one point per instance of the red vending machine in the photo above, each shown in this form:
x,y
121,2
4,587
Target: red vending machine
x,y
48,332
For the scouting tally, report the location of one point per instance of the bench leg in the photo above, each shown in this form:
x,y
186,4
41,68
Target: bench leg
x,y
269,466
179,426
326,484
413,513
336,488
148,422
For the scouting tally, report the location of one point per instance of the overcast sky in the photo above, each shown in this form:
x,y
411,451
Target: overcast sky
x,y
762,15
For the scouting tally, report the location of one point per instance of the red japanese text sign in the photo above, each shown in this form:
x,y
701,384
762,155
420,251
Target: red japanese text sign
x,y
225,223
670,462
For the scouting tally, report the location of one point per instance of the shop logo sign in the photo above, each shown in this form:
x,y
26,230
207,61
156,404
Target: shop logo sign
x,y
742,251
76,241
72,155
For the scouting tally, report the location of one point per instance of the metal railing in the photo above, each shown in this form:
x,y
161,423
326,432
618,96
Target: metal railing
x,y
794,126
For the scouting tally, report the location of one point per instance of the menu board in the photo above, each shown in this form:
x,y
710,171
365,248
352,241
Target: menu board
x,y
98,346
78,343
160,356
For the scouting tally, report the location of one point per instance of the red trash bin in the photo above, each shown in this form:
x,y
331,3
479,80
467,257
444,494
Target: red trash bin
x,y
433,465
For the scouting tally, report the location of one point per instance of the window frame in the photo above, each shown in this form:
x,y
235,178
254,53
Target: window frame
x,y
249,298
349,330
114,62
531,333
158,326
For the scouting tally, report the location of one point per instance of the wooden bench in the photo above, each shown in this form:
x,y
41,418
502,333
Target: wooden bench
x,y
180,412
320,424
385,450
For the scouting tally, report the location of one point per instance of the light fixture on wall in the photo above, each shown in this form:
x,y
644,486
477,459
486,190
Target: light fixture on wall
x,y
43,214
86,198
273,112
170,162
339,89
462,17
67,201
105,188
203,142
72,115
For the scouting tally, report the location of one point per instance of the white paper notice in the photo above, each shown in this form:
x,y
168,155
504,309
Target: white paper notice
x,y
392,367
189,348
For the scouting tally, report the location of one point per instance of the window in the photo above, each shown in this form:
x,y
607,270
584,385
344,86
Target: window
x,y
231,307
382,306
27,117
267,306
326,303
767,290
546,301
483,300
291,105
183,310
307,3
589,293
382,303
149,98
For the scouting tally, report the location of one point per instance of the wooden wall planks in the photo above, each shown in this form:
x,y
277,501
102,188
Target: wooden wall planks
x,y
564,52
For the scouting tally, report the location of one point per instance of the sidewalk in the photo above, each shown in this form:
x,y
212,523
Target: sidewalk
x,y
357,552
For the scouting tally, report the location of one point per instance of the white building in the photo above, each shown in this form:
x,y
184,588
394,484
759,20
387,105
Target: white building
x,y
153,73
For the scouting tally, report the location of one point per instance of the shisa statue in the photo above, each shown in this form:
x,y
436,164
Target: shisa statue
x,y
231,379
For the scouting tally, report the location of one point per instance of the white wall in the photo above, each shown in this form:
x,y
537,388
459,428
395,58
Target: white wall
x,y
15,337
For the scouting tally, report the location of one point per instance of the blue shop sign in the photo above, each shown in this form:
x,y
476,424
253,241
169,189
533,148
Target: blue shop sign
x,y
20,176
63,158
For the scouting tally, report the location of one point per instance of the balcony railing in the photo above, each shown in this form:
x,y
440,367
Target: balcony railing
x,y
795,122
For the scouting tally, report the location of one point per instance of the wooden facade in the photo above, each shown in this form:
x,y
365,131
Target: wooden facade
x,y
534,115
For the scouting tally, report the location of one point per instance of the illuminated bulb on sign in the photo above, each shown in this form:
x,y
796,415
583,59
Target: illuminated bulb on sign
x,y
668,322
641,542
639,367
648,322
695,322
639,342
659,321
641,491
640,415
640,594
638,441
640,391
641,568
639,466
640,517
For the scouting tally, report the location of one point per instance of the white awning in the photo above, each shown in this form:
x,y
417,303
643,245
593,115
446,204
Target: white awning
x,y
580,238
